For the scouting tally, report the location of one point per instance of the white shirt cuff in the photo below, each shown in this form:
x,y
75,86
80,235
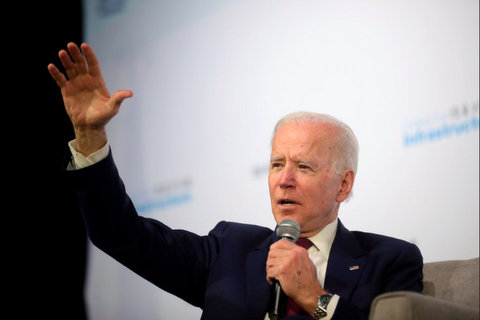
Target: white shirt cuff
x,y
80,161
332,305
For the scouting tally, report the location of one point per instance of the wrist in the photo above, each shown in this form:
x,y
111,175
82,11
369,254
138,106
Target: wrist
x,y
311,303
89,140
322,305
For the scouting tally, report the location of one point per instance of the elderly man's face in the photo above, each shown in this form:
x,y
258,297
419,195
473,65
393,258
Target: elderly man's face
x,y
302,181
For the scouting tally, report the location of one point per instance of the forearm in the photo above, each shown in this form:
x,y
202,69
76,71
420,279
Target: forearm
x,y
143,245
107,210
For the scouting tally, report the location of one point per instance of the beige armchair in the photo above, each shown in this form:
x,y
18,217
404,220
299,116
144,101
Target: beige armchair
x,y
450,292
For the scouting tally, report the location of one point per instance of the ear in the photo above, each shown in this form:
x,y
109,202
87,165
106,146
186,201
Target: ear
x,y
347,180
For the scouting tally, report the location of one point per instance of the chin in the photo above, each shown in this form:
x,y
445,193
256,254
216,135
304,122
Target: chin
x,y
286,215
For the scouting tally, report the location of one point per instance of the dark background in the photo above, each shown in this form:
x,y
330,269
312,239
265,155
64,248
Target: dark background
x,y
44,234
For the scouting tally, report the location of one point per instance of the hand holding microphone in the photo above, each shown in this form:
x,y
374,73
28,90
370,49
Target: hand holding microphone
x,y
287,229
290,270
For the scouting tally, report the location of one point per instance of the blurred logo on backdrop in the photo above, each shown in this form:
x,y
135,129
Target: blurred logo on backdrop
x,y
107,8
453,122
164,195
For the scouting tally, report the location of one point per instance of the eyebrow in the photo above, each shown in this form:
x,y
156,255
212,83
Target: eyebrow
x,y
309,162
313,165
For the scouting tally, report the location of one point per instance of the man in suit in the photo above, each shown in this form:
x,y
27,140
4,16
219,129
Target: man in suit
x,y
229,273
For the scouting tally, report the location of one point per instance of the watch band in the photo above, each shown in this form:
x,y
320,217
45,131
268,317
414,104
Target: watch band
x,y
322,304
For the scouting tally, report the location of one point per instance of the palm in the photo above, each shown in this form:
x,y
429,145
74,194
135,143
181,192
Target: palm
x,y
87,101
86,98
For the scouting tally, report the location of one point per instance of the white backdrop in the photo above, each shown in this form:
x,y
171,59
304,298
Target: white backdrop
x,y
211,78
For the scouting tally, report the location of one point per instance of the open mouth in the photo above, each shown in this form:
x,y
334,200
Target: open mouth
x,y
287,202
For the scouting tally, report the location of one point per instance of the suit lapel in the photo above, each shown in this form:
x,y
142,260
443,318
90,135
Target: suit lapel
x,y
345,263
259,291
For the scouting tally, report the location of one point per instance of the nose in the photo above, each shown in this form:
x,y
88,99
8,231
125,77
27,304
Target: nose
x,y
287,178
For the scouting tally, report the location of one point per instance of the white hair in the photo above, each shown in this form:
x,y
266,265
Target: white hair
x,y
346,145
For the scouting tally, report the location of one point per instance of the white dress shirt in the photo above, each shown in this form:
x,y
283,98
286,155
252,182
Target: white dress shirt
x,y
318,253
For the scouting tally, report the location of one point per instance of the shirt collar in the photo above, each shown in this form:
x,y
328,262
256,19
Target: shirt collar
x,y
323,240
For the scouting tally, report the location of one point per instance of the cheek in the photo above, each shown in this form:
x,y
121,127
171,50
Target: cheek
x,y
271,185
322,190
272,181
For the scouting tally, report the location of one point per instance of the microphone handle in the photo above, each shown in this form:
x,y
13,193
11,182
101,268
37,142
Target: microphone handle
x,y
279,306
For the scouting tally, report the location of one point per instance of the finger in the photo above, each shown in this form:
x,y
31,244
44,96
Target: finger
x,y
270,279
92,61
279,250
78,59
67,64
57,75
283,244
118,97
271,276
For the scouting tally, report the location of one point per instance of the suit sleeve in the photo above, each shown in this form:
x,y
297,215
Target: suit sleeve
x,y
175,260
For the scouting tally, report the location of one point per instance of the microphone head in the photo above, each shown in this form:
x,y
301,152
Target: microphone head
x,y
289,229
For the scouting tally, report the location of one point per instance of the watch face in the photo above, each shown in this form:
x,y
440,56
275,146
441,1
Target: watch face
x,y
325,299
322,306
321,310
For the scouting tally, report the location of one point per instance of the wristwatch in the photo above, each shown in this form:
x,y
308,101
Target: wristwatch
x,y
322,304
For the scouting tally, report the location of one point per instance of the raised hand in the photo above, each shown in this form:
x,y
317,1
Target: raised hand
x,y
85,95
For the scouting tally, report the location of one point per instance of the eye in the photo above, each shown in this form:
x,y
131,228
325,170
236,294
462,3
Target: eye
x,y
275,165
305,168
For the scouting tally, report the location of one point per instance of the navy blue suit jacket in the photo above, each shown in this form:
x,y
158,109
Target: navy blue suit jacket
x,y
224,272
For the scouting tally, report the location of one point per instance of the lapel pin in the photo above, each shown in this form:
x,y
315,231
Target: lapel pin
x,y
354,268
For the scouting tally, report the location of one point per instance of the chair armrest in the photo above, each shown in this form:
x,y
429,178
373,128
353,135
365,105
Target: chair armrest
x,y
407,305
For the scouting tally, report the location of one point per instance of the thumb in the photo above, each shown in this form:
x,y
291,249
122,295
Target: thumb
x,y
117,98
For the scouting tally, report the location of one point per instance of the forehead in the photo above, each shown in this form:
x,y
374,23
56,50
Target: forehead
x,y
303,138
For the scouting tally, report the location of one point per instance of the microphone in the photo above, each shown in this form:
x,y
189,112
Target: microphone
x,y
287,229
